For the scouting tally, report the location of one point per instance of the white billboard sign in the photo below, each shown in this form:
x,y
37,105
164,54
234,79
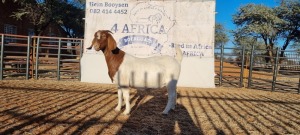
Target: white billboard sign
x,y
146,28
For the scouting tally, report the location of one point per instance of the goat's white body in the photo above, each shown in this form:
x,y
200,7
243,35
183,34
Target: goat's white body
x,y
153,72
144,73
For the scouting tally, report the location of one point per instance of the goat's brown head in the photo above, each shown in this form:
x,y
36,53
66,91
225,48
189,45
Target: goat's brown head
x,y
103,40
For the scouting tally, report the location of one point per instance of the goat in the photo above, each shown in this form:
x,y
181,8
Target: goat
x,y
128,71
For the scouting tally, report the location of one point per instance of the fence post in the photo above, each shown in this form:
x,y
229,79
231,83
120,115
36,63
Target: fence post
x,y
80,55
37,58
58,59
1,56
250,67
242,67
275,69
28,57
299,85
221,64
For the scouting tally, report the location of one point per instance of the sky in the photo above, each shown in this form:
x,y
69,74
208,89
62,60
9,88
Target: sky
x,y
226,8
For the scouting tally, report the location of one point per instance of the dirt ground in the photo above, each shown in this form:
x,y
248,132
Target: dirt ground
x,y
66,107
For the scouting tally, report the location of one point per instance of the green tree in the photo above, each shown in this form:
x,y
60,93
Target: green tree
x,y
268,25
72,20
41,13
258,22
289,12
221,37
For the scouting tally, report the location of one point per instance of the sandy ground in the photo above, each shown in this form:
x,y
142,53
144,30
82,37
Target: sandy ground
x,y
65,107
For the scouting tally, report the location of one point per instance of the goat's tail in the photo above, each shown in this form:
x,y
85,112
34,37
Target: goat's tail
x,y
179,55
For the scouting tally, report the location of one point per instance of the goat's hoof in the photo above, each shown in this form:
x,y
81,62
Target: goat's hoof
x,y
89,48
118,109
164,113
126,113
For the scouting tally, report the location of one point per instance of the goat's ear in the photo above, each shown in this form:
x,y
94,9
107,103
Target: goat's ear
x,y
97,34
111,42
95,41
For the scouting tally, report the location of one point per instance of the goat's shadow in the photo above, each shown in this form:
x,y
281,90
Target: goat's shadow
x,y
146,116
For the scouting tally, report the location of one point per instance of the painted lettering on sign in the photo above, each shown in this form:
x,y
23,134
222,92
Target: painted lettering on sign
x,y
107,8
148,26
139,28
195,49
140,39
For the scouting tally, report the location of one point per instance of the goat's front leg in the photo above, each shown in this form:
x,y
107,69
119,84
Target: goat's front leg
x,y
120,99
126,96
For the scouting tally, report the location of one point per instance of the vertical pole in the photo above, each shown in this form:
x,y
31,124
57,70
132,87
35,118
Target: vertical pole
x,y
33,57
80,55
58,59
1,57
242,67
28,57
221,65
299,85
37,58
250,67
275,71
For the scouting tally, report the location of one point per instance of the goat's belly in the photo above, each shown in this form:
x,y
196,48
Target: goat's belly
x,y
147,80
141,79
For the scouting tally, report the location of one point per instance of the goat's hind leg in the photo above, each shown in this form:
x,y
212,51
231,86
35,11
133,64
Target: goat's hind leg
x,y
172,95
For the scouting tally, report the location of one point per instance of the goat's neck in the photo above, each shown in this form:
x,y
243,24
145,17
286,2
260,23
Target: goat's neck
x,y
113,61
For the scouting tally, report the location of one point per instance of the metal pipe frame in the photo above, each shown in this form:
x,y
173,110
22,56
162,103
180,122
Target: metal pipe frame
x,y
37,58
1,56
58,59
80,55
242,67
275,69
250,67
221,65
28,57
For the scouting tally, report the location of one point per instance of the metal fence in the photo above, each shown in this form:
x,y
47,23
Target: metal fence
x,y
253,68
37,57
25,57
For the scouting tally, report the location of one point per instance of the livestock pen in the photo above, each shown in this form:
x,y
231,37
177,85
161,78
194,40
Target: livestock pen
x,y
252,68
25,57
38,57
36,97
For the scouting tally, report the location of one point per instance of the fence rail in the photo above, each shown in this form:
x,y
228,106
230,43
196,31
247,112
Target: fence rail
x,y
38,57
253,68
25,57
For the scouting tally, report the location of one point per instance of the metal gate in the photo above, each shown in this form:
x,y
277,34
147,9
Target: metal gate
x,y
25,57
253,68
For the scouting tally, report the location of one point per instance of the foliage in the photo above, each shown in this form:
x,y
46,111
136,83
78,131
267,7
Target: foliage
x,y
257,21
41,13
72,21
268,25
289,12
242,40
221,37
